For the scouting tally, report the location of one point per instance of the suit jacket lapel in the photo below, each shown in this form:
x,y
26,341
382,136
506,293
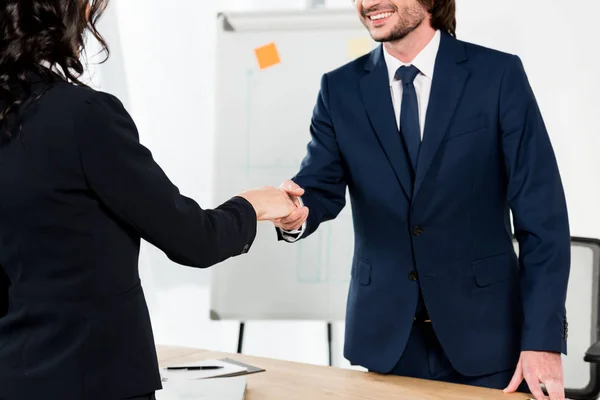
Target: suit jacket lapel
x,y
375,91
448,83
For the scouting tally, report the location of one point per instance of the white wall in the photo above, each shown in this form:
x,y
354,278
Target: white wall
x,y
163,68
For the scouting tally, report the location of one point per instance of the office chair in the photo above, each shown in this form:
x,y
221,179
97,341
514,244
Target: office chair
x,y
592,355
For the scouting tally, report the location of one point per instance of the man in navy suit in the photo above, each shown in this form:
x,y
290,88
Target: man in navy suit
x,y
437,141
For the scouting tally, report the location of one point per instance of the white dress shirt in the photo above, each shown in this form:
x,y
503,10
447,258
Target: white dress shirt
x,y
425,63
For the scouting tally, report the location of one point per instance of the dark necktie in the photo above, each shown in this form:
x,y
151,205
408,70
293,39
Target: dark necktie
x,y
409,113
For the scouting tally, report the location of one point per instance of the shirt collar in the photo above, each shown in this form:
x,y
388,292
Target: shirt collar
x,y
424,61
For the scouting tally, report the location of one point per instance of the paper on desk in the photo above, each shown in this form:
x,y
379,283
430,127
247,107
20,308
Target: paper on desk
x,y
228,369
233,388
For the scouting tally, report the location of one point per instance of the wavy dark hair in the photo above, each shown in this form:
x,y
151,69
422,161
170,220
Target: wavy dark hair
x,y
443,14
36,37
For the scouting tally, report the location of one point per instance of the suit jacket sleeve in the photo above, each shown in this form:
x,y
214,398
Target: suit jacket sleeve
x,y
537,200
322,173
4,284
127,180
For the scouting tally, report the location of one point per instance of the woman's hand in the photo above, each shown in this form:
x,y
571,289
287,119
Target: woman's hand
x,y
271,203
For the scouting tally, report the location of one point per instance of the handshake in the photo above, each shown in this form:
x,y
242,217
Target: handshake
x,y
279,205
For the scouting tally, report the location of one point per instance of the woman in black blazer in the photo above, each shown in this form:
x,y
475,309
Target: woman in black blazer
x,y
78,192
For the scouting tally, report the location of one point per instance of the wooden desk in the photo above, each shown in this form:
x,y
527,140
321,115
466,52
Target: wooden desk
x,y
296,381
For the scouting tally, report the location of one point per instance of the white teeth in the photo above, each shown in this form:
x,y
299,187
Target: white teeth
x,y
380,16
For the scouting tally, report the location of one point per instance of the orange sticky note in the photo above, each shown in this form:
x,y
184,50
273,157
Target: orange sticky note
x,y
267,55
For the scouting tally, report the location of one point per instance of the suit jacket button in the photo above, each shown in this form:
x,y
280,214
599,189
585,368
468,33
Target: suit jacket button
x,y
245,249
417,230
412,276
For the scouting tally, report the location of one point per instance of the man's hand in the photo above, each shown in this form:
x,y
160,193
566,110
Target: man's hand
x,y
539,367
297,217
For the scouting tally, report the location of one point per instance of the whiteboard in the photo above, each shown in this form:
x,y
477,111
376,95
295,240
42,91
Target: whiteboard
x,y
262,129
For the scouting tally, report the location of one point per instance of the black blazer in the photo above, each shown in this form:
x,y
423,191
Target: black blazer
x,y
78,191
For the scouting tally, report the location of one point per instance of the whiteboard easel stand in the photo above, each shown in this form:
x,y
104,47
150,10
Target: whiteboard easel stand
x,y
329,340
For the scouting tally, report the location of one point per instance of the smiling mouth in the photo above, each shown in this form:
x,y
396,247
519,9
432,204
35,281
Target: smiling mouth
x,y
380,16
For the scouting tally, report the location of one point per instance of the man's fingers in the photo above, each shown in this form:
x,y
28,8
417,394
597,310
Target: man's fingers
x,y
516,380
295,219
294,199
535,389
298,217
543,368
514,383
555,389
292,188
296,192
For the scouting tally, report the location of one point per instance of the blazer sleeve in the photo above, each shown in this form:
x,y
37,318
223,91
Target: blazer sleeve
x,y
4,284
536,196
127,180
322,172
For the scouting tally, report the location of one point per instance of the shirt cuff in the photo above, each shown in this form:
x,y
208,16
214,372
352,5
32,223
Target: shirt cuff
x,y
292,236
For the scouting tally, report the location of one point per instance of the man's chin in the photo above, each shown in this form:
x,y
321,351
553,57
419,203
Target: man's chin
x,y
388,37
379,36
386,34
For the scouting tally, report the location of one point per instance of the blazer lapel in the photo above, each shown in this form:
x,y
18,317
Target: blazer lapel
x,y
448,83
375,91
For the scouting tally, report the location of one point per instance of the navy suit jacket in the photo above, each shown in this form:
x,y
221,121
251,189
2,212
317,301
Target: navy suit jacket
x,y
485,152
